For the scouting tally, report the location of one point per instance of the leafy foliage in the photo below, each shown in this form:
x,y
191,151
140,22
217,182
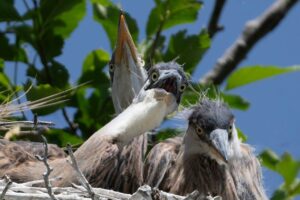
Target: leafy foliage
x,y
288,168
45,26
247,75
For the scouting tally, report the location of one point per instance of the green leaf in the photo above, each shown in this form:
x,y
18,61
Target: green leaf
x,y
40,91
235,101
269,159
196,91
288,168
107,14
8,11
246,75
92,70
241,135
55,69
11,52
280,194
62,138
166,133
189,49
169,13
61,17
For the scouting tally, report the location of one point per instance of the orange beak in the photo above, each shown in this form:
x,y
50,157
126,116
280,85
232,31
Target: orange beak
x,y
124,38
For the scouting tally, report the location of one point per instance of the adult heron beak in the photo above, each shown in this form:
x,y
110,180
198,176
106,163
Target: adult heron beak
x,y
125,47
219,143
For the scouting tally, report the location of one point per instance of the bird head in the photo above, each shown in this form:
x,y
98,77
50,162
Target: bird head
x,y
211,131
168,76
126,69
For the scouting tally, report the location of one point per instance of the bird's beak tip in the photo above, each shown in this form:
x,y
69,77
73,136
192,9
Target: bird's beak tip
x,y
124,37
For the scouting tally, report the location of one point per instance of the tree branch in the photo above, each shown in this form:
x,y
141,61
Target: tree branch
x,y
213,25
80,175
18,191
8,184
253,32
48,169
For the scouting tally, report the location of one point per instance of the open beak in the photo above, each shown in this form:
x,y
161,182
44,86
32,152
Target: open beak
x,y
125,46
219,143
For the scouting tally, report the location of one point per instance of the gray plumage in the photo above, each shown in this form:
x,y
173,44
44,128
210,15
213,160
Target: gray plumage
x,y
209,158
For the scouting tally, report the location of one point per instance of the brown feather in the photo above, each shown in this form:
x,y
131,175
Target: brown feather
x,y
167,169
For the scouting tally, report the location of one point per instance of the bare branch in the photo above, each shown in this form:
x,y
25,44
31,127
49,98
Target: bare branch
x,y
213,25
8,184
253,32
80,175
44,159
26,123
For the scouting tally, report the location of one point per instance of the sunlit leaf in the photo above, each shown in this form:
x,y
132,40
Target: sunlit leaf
x,y
169,13
269,159
92,70
246,75
107,14
288,168
188,48
241,135
40,91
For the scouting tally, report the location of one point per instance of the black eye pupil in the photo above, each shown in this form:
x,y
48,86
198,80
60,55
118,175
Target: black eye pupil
x,y
111,67
154,76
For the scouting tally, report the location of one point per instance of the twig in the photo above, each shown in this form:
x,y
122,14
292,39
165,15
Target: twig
x,y
8,184
253,32
213,25
155,41
27,123
80,175
45,161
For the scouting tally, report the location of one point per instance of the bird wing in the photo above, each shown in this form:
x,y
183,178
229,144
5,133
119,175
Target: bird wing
x,y
160,160
248,175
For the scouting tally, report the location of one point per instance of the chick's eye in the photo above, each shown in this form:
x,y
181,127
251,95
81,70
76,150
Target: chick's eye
x,y
182,88
230,131
111,67
199,130
154,76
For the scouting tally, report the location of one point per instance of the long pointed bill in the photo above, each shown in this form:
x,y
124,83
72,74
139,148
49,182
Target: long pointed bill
x,y
125,46
219,142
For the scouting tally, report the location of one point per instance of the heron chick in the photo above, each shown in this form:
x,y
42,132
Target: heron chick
x,y
99,155
209,158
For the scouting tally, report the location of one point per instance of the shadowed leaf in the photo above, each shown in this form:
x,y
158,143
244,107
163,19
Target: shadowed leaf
x,y
188,48
169,13
8,12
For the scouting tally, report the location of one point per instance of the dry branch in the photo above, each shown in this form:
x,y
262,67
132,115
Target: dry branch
x,y
48,169
213,25
24,192
80,175
253,32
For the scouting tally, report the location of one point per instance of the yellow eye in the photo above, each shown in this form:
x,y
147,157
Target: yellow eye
x,y
199,130
154,76
182,87
111,67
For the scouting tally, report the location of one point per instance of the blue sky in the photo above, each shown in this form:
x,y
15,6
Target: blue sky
x,y
273,119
